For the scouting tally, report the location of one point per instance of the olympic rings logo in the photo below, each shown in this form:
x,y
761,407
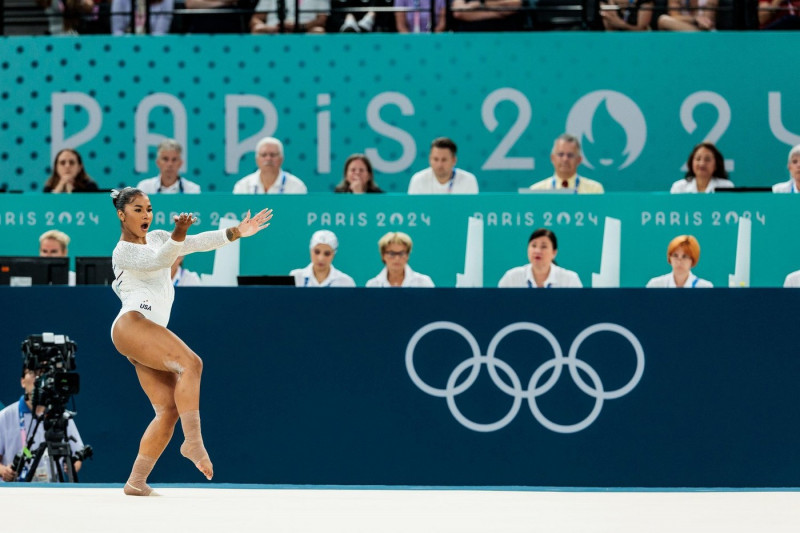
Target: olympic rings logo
x,y
534,390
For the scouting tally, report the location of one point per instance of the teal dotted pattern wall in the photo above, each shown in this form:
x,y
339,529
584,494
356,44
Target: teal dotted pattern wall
x,y
502,98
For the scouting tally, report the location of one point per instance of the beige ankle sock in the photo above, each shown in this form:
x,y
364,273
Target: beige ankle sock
x,y
192,447
137,482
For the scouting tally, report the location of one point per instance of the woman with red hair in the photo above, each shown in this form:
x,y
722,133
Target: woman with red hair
x,y
683,253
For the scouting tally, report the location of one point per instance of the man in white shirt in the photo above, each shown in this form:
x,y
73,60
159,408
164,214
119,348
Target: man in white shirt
x,y
169,161
793,185
270,178
566,157
442,177
17,424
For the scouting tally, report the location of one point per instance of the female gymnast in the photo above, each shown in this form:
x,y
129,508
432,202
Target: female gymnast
x,y
168,370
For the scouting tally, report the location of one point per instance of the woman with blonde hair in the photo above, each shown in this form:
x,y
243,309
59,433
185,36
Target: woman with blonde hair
x,y
683,253
395,247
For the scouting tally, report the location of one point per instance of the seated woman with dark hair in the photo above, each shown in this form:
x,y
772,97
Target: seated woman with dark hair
x,y
541,270
706,171
683,253
68,174
358,177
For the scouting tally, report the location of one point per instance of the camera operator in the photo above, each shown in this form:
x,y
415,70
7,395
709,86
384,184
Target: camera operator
x,y
16,423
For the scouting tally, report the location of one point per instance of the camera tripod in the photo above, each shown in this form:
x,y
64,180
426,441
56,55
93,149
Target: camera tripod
x,y
56,443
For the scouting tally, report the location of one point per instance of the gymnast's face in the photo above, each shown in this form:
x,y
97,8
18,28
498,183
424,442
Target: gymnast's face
x,y
137,216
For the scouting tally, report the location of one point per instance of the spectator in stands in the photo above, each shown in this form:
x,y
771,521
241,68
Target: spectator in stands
x,y
68,174
362,22
779,14
55,243
683,253
222,22
320,272
488,15
168,181
64,16
541,270
442,177
312,19
793,185
160,17
706,171
358,177
182,277
270,178
566,157
419,21
395,247
689,15
630,15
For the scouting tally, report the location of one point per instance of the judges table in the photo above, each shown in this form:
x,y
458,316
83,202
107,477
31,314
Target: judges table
x,y
438,227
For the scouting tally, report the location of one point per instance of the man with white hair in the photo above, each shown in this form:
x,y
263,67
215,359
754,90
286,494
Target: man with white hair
x,y
270,178
169,161
793,185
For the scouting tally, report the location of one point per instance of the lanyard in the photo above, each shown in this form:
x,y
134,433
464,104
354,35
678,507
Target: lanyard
x,y
280,191
532,286
451,182
180,185
577,182
327,282
23,435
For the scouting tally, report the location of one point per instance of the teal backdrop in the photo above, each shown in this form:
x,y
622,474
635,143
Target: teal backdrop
x,y
438,226
638,102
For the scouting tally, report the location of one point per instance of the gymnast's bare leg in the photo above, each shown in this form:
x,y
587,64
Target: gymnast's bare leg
x,y
169,373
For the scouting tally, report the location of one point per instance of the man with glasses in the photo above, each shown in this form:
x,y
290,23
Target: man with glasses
x,y
566,156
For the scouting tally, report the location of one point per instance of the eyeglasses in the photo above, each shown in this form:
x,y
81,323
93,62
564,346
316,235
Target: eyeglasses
x,y
568,155
395,254
680,257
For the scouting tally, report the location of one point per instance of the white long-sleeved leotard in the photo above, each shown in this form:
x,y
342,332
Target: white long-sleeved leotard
x,y
142,271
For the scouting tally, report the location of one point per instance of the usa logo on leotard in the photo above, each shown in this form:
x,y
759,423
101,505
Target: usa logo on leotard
x,y
474,363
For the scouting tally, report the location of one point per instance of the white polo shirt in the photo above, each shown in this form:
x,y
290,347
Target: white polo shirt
x,y
690,186
667,281
522,276
785,186
285,184
410,279
425,182
304,277
153,186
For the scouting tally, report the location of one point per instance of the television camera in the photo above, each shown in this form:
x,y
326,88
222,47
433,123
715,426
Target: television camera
x,y
51,358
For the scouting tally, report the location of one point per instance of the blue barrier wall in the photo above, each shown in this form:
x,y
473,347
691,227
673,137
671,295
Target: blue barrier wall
x,y
699,388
